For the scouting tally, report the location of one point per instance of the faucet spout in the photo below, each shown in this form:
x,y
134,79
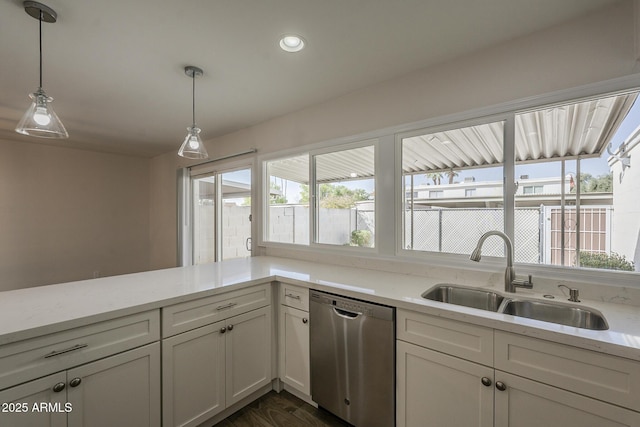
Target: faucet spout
x,y
509,273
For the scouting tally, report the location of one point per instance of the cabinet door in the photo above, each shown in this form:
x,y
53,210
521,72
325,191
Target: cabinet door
x,y
121,390
248,354
18,402
193,376
526,403
294,348
434,389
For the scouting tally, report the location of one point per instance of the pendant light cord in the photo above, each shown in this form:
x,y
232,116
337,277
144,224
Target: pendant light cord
x,y
193,99
40,28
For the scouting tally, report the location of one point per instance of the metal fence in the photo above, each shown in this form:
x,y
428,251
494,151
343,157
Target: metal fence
x,y
536,231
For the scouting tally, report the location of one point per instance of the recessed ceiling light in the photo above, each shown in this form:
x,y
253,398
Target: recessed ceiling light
x,y
292,43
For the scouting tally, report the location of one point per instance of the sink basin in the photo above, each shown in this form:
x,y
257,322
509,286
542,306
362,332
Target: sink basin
x,y
483,299
466,296
579,317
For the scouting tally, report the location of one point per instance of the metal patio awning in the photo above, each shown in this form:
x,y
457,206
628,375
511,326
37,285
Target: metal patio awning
x,y
581,129
567,131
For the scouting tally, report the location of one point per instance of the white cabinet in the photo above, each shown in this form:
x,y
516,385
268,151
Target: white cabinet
x,y
212,367
120,390
123,389
547,384
294,362
18,403
527,403
193,376
248,354
435,389
294,349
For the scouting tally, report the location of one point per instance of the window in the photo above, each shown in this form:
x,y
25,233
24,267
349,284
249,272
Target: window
x,y
341,193
345,184
574,203
287,215
532,189
440,167
579,212
555,179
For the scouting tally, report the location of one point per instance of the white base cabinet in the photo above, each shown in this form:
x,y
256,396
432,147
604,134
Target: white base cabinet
x,y
293,335
526,403
450,390
119,390
434,389
294,349
18,403
212,367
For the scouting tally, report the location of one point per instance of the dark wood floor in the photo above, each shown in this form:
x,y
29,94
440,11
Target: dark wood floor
x,y
281,410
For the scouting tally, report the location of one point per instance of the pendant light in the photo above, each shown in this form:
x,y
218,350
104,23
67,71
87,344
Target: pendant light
x,y
40,120
192,147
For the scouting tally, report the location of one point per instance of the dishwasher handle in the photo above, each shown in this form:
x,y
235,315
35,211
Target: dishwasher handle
x,y
346,313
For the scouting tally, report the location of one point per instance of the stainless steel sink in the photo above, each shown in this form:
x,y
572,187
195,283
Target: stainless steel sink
x,y
483,299
579,317
466,296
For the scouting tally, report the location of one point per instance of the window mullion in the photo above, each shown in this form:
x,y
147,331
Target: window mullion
x,y
313,202
578,224
509,175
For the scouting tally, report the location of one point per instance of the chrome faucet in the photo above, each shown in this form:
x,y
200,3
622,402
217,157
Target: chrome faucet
x,y
510,280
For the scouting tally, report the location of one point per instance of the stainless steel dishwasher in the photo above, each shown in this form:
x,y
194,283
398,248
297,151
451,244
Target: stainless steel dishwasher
x,y
352,345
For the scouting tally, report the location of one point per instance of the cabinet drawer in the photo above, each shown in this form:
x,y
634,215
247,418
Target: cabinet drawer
x,y
470,342
25,360
189,315
294,296
609,378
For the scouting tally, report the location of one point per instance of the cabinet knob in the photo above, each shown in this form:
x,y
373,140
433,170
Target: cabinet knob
x,y
305,320
58,387
223,330
75,382
501,386
486,381
230,327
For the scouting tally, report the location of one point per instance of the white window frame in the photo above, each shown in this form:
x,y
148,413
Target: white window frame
x,y
185,203
390,193
312,152
509,111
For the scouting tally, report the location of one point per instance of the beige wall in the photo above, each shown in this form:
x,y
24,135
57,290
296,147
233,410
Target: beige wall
x,y
594,48
66,213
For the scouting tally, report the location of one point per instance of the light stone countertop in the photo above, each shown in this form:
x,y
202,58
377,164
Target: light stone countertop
x,y
32,312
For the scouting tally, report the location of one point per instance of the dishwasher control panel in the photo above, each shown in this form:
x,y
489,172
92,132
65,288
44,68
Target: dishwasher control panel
x,y
351,305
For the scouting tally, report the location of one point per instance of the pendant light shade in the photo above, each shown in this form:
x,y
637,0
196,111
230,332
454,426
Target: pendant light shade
x,y
192,147
40,120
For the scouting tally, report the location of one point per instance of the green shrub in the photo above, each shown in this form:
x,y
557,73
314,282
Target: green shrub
x,y
361,238
611,261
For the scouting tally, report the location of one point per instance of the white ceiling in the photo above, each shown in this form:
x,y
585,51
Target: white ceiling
x,y
115,68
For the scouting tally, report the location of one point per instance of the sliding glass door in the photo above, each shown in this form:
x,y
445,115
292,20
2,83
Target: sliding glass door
x,y
221,215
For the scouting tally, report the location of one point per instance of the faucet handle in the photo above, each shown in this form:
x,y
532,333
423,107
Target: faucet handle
x,y
522,283
574,293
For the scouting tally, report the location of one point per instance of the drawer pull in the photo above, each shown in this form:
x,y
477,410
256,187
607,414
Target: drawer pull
x,y
67,350
501,386
224,307
486,381
293,296
58,387
75,382
230,328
